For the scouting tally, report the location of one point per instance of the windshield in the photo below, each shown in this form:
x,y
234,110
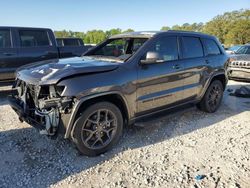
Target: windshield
x,y
119,49
234,48
243,50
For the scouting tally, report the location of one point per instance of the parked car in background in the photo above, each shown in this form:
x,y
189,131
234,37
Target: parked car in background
x,y
239,65
20,46
65,47
233,49
124,80
245,49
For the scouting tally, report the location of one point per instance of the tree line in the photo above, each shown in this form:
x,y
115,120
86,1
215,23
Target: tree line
x,y
230,28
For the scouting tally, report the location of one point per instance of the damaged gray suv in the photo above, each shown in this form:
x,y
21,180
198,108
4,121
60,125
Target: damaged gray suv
x,y
120,82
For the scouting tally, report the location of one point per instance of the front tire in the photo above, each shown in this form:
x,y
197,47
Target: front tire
x,y
98,128
212,98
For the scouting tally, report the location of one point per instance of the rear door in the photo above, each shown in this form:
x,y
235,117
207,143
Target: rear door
x,y
8,55
160,84
35,45
195,67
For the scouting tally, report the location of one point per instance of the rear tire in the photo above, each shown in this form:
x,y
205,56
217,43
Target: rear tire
x,y
98,128
212,99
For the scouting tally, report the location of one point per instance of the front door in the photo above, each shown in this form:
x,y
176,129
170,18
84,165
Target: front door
x,y
160,84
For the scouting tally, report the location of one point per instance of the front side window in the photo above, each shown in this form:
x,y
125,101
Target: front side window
x,y
120,48
191,47
33,38
166,48
211,46
5,41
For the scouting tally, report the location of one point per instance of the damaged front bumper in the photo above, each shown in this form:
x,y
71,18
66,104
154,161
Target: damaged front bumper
x,y
239,70
41,106
238,73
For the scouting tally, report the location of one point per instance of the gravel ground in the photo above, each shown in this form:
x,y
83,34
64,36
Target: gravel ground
x,y
174,152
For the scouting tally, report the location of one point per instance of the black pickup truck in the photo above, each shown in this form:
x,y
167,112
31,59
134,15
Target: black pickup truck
x,y
21,45
69,47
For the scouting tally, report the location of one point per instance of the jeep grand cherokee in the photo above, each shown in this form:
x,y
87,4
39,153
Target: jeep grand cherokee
x,y
124,79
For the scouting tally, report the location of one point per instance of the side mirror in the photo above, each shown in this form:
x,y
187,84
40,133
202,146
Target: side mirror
x,y
152,57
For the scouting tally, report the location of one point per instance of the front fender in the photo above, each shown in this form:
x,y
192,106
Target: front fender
x,y
78,104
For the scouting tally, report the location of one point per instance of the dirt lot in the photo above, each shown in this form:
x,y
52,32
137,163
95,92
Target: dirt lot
x,y
170,153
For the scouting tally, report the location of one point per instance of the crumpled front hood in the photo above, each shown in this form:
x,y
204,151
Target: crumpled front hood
x,y
51,71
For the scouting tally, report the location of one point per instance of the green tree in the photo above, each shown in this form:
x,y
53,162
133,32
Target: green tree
x,y
165,28
94,37
62,33
231,27
128,31
111,32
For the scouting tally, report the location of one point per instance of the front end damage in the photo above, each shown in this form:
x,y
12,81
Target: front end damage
x,y
42,106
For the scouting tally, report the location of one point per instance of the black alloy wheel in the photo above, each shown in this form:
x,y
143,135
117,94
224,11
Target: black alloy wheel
x,y
98,128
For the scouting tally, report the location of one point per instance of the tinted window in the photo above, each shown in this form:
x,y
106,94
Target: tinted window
x,y
211,46
30,38
243,50
59,42
5,38
191,47
70,42
166,47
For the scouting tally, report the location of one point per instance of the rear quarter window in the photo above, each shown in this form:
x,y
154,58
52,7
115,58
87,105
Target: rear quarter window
x,y
33,38
191,47
211,47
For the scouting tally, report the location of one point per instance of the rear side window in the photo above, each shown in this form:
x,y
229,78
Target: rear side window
x,y
70,42
191,47
211,47
166,47
5,41
34,38
59,42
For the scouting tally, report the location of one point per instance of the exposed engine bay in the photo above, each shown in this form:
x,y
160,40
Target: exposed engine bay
x,y
41,105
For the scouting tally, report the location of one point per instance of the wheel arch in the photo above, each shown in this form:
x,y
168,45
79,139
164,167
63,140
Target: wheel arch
x,y
115,98
217,76
222,78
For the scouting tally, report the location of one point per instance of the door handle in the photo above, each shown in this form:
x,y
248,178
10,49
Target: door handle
x,y
176,66
9,54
